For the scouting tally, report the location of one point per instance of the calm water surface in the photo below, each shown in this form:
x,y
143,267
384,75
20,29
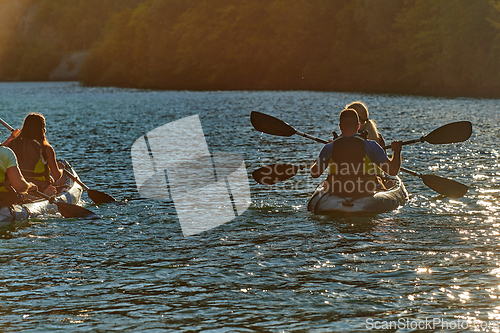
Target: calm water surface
x,y
276,267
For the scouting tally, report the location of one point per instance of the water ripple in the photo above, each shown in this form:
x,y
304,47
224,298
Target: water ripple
x,y
276,267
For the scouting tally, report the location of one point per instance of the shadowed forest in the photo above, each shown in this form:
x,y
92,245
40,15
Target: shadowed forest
x,y
428,47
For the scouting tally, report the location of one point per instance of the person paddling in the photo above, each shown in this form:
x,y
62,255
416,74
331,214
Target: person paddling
x,y
365,123
12,181
351,158
37,159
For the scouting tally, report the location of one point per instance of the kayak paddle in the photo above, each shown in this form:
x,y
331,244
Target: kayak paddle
x,y
275,173
68,210
270,125
444,186
6,125
96,196
450,133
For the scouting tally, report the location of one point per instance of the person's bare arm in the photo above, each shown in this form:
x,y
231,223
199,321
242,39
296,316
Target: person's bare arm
x,y
14,134
18,182
51,159
392,165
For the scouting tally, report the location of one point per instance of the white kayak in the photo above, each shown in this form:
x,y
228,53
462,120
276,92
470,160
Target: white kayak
x,y
323,202
70,193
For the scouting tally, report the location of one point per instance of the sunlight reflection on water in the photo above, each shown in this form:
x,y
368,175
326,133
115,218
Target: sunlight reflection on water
x,y
276,267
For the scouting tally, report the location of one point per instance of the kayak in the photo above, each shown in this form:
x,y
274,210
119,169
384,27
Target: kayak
x,y
324,202
70,193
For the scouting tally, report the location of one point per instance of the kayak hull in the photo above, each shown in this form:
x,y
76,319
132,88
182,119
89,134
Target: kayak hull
x,y
10,216
325,203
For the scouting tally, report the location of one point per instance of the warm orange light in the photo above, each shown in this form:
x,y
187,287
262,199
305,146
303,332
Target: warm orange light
x,y
11,13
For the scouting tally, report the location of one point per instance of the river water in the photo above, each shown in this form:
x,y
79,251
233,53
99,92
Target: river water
x,y
275,268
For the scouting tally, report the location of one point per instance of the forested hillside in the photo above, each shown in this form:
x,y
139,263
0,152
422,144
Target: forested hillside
x,y
36,34
437,47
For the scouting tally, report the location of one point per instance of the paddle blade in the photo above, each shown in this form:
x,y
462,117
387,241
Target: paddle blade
x,y
445,186
68,210
100,197
450,133
275,173
270,125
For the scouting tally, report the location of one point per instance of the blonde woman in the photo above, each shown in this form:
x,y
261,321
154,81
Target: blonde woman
x,y
365,123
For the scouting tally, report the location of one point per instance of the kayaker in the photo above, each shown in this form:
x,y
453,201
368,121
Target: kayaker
x,y
11,179
37,158
365,123
351,159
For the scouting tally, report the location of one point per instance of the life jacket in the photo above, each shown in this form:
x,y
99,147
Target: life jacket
x,y
4,183
350,170
32,162
7,194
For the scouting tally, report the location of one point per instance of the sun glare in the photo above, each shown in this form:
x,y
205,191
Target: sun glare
x,y
11,11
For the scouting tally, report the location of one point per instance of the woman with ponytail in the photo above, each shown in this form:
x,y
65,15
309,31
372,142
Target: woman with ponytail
x,y
365,123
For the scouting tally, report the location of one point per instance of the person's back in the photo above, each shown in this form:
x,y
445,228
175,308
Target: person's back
x,y
36,156
31,161
350,170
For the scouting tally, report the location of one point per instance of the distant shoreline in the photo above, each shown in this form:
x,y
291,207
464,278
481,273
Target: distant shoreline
x,y
367,92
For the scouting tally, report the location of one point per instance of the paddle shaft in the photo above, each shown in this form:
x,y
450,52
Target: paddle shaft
x,y
458,131
416,174
404,143
69,210
6,125
422,139
45,196
305,135
76,179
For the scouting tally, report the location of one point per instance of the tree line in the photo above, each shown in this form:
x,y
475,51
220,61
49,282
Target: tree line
x,y
432,47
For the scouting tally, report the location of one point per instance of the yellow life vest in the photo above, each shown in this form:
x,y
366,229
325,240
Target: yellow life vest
x,y
4,180
4,183
350,170
31,160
